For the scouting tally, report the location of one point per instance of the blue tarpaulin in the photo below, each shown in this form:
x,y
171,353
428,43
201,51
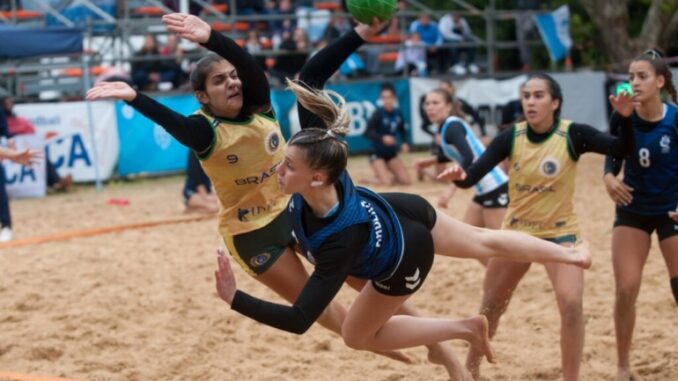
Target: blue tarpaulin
x,y
17,42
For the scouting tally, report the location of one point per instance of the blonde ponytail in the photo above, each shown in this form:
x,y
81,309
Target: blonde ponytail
x,y
326,104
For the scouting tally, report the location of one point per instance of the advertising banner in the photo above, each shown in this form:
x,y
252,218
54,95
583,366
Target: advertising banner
x,y
146,147
65,129
361,101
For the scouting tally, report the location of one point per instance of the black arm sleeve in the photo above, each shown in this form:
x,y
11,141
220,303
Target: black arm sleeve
x,y
255,89
193,131
613,164
372,131
455,135
320,68
585,138
473,113
334,262
498,150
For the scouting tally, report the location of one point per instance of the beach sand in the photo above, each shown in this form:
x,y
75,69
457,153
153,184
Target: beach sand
x,y
141,305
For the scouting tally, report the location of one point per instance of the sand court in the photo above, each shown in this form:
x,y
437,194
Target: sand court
x,y
139,303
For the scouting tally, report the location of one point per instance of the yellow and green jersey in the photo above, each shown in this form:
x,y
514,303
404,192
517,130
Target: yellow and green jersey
x,y
541,184
241,164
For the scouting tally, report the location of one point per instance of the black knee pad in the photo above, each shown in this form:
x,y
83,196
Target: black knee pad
x,y
674,288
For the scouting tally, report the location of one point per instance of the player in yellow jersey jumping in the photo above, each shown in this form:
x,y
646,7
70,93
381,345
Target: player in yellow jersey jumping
x,y
543,153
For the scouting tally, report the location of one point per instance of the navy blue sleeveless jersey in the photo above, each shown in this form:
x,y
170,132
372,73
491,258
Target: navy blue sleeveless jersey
x,y
384,250
652,170
386,123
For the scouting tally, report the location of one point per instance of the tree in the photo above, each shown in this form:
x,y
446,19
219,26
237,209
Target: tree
x,y
620,42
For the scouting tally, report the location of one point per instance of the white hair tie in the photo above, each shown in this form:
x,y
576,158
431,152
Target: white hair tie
x,y
330,133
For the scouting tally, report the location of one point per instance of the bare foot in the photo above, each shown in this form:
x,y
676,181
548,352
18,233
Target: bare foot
x,y
395,355
479,336
584,254
441,355
625,375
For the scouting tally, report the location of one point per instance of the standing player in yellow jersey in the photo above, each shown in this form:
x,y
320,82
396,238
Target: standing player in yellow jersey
x,y
543,153
239,144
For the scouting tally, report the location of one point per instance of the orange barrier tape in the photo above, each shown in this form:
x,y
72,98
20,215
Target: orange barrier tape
x,y
64,236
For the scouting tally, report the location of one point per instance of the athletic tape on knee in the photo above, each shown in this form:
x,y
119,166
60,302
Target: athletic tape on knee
x,y
674,288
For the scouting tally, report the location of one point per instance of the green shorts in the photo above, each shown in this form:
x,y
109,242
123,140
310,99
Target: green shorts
x,y
257,251
569,238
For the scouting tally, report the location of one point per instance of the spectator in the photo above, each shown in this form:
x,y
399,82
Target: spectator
x,y
254,46
412,57
431,39
454,30
288,65
146,67
198,195
171,69
17,125
338,26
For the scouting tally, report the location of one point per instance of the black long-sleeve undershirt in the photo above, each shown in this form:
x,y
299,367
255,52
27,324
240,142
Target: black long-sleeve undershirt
x,y
337,253
582,138
320,68
195,131
455,135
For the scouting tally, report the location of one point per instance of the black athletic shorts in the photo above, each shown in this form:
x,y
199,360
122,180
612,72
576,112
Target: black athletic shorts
x,y
417,217
386,156
497,198
662,223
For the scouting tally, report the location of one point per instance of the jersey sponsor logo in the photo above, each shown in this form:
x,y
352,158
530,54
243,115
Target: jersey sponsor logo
x,y
258,179
549,167
665,144
260,259
374,219
272,142
527,188
515,222
413,280
244,214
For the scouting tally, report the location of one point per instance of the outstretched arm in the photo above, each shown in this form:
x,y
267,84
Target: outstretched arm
x,y
194,131
498,150
327,61
23,157
330,272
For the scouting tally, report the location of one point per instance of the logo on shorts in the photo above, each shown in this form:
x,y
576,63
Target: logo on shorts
x,y
502,199
260,259
487,203
413,281
381,285
272,142
549,167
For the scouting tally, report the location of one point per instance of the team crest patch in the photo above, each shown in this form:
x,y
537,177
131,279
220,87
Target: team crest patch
x,y
260,259
549,167
272,142
665,144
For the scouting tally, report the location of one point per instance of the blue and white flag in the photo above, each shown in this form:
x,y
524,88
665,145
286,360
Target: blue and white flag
x,y
554,28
